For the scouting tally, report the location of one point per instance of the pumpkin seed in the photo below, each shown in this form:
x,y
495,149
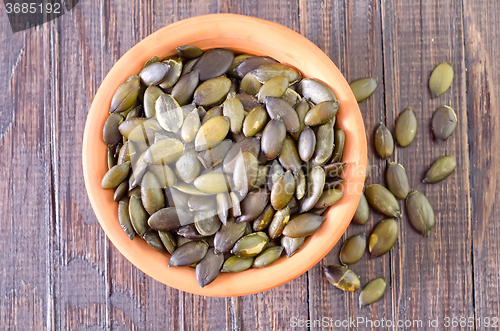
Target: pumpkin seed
x,y
254,122
303,225
251,63
124,219
334,169
441,79
189,52
213,63
397,180
251,245
237,264
353,249
126,94
174,72
188,167
338,149
138,216
212,91
154,73
302,109
211,133
274,87
315,91
121,191
245,172
211,157
315,185
201,203
444,122
168,240
153,239
289,156
363,88
280,220
211,183
223,206
328,198
273,136
300,186
111,158
441,169
184,89
190,126
266,72
321,113
228,235
324,143
264,219
249,102
342,278
233,110
406,127
154,59
261,176
372,292
189,231
362,211
115,176
169,113
383,237
420,212
151,193
151,95
111,135
211,113
253,204
250,85
164,151
282,191
267,257
277,107
383,141
307,144
292,97
169,218
188,254
235,203
209,267
291,245
207,222
382,200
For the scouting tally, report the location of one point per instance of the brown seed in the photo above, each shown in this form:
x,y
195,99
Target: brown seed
x,y
444,122
209,267
233,110
124,219
264,219
383,237
353,249
126,94
420,212
324,143
289,156
111,135
188,254
254,122
383,141
274,87
362,212
291,245
339,142
213,63
267,257
273,137
397,180
228,235
280,219
441,169
282,191
382,200
268,71
278,107
441,79
253,204
342,278
115,176
406,127
184,89
321,113
211,133
212,91
315,185
307,144
328,198
372,292
303,225
363,88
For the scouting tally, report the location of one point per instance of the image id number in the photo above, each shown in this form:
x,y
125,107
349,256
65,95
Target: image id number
x,y
33,8
462,322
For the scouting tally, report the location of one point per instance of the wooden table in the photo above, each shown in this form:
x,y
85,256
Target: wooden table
x,y
58,270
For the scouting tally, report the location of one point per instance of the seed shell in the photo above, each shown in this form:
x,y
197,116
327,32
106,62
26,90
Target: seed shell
x,y
209,267
315,91
303,225
291,245
342,278
124,219
115,176
237,264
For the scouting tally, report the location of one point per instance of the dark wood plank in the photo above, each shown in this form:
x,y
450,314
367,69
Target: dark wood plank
x,y
350,33
483,79
431,276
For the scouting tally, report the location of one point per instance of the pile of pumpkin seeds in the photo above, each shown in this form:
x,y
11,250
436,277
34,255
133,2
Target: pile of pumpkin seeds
x,y
385,199
222,161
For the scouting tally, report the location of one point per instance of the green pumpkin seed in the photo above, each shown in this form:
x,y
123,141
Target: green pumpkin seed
x,y
135,192
154,59
303,225
176,198
383,237
363,88
207,222
318,211
245,172
151,193
264,219
253,204
277,107
211,113
273,136
291,245
397,180
236,62
151,95
228,235
126,94
420,212
212,183
275,171
251,245
250,85
211,133
154,73
324,143
382,200
353,249
153,239
372,292
212,91
342,278
213,63
406,127
174,72
267,257
168,240
383,141
441,79
307,144
444,122
254,122
138,216
300,186
115,176
184,89
135,112
169,113
251,63
127,126
266,72
321,113
164,151
209,267
188,166
292,97
333,182
111,134
289,156
274,87
315,91
189,52
237,264
111,159
169,218
280,220
282,191
211,157
190,189
328,198
188,254
315,185
124,219
190,126
233,110
121,191
338,149
139,169
362,211
302,109
441,169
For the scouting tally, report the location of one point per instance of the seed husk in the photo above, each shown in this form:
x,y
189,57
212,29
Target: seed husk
x,y
251,245
420,212
188,166
328,198
362,211
264,219
302,109
406,127
397,180
282,191
151,95
441,79
291,245
115,176
441,169
267,257
138,216
353,249
321,113
121,191
383,141
382,200
184,89
151,193
274,87
233,110
324,143
254,122
383,237
245,172
273,136
268,71
188,254
228,235
280,219
289,156
211,133
168,240
124,219
250,85
363,88
111,135
315,91
251,63
211,157
444,122
372,292
338,149
300,185
174,72
315,185
278,107
237,264
307,144
209,267
153,74
201,203
207,222
164,151
253,204
342,278
212,91
189,52
169,113
126,94
303,225
212,183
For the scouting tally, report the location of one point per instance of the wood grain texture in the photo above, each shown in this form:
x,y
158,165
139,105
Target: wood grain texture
x,y
482,47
